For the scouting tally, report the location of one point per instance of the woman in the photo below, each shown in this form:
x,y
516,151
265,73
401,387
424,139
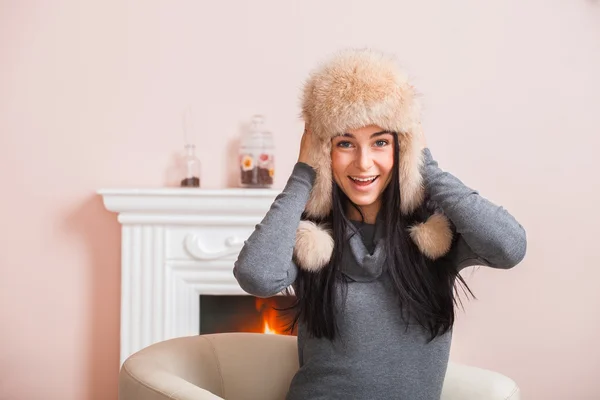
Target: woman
x,y
371,235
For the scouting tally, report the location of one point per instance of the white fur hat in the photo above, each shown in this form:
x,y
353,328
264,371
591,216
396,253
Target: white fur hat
x,y
354,89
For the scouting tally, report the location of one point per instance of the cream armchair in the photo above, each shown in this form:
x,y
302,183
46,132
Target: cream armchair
x,y
253,366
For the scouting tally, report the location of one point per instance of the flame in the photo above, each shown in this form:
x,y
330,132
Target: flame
x,y
268,330
263,307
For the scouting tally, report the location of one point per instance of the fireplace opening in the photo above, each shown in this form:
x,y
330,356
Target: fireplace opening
x,y
245,313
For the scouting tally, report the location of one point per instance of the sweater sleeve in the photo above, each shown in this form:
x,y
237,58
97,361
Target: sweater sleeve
x,y
264,266
487,234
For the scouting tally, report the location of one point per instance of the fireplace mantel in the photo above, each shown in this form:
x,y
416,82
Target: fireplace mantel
x,y
176,244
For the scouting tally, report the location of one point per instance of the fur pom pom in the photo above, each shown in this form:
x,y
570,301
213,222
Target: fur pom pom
x,y
314,246
433,237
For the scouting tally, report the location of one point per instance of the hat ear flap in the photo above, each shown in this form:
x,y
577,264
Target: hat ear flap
x,y
319,202
410,165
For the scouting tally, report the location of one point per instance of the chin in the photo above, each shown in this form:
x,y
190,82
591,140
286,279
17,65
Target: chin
x,y
363,200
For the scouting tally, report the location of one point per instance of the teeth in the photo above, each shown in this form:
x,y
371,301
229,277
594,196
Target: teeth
x,y
363,179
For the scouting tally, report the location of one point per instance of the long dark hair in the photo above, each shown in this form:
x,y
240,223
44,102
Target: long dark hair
x,y
426,290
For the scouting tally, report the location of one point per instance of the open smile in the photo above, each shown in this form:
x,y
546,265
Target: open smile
x,y
363,182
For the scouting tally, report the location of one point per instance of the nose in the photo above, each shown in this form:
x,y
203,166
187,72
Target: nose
x,y
364,161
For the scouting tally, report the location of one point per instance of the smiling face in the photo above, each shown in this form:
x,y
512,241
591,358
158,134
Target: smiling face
x,y
361,163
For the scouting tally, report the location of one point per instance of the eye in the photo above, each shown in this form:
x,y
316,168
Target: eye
x,y
381,143
344,144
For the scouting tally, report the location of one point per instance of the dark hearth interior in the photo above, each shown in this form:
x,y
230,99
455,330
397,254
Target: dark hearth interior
x,y
233,313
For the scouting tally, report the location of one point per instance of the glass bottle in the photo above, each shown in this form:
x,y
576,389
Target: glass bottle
x,y
256,156
191,163
192,167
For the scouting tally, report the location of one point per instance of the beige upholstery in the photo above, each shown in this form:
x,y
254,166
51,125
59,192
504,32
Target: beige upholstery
x,y
251,366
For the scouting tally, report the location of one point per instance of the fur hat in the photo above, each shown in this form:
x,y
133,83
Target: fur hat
x,y
354,89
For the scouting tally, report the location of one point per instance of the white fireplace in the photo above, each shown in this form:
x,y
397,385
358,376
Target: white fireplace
x,y
177,244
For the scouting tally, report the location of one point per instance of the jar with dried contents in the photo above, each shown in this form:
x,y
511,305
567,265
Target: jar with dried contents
x,y
256,156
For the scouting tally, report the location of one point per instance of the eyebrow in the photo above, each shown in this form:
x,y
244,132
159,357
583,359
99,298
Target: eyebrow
x,y
347,134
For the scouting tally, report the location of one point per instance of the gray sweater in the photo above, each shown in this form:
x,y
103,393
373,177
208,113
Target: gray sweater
x,y
376,357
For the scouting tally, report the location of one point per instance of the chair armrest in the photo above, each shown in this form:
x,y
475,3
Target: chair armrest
x,y
464,382
181,369
133,385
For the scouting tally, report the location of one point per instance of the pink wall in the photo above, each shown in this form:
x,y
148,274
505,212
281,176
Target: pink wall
x,y
91,96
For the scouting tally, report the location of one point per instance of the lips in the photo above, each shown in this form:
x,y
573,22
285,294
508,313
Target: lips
x,y
363,182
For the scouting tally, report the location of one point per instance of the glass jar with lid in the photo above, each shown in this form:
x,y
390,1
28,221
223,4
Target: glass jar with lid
x,y
256,156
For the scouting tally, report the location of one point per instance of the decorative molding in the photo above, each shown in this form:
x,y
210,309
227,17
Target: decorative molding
x,y
176,244
193,245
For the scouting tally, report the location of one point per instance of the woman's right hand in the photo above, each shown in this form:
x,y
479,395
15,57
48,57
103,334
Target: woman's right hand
x,y
306,146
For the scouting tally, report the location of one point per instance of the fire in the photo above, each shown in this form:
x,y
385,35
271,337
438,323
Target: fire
x,y
269,317
263,306
268,330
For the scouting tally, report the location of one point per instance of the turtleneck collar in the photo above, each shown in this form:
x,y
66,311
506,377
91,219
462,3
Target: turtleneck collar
x,y
358,263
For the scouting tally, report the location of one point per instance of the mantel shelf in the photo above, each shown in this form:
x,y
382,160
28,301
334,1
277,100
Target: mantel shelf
x,y
188,200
